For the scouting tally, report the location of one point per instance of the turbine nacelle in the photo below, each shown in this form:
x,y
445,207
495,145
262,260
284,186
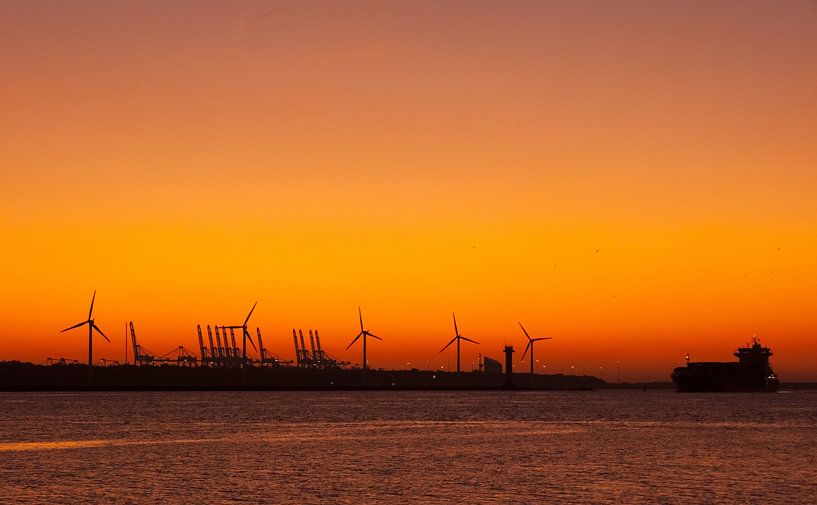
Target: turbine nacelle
x,y
363,333
531,342
244,331
457,336
89,321
92,327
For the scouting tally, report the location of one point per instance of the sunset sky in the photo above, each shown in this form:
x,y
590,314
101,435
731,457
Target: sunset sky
x,y
636,179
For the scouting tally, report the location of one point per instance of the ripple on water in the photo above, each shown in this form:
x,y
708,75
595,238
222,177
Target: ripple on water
x,y
466,447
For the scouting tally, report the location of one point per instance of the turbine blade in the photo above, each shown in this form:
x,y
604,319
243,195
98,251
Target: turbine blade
x,y
248,315
247,333
542,338
456,331
524,331
359,313
469,340
94,326
446,345
91,310
373,335
530,342
353,341
75,326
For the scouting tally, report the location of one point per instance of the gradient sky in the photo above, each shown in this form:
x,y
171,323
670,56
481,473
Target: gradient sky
x,y
637,180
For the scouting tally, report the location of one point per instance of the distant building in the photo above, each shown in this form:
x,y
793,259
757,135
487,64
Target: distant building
x,y
492,366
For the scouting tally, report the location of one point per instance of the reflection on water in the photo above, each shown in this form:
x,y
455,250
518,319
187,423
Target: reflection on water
x,y
45,446
76,444
387,447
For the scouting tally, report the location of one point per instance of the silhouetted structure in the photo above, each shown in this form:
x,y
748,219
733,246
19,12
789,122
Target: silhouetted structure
x,y
246,336
213,356
752,372
492,366
531,341
205,355
457,338
363,333
16,376
220,350
222,356
267,358
60,361
91,327
508,366
141,356
314,358
302,357
180,355
232,355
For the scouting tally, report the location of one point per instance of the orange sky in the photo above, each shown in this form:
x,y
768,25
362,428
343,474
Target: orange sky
x,y
637,180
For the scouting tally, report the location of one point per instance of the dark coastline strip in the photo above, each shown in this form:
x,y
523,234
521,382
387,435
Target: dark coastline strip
x,y
20,389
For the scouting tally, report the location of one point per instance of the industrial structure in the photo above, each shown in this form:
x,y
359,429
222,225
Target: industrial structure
x,y
363,333
60,361
91,327
141,356
245,336
219,349
221,353
315,356
492,366
508,366
457,338
267,358
531,341
180,355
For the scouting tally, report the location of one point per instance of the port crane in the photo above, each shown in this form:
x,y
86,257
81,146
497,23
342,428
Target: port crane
x,y
141,355
316,356
267,358
203,350
181,355
61,361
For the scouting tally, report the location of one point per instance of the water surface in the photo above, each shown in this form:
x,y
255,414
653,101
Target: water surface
x,y
408,447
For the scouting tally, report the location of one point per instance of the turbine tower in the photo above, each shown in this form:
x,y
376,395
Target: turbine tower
x,y
363,333
457,337
530,346
247,335
91,327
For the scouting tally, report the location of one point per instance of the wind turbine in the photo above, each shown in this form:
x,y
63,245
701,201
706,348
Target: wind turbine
x,y
363,333
91,327
247,335
530,346
457,337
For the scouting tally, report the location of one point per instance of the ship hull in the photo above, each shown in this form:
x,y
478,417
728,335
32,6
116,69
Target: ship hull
x,y
714,380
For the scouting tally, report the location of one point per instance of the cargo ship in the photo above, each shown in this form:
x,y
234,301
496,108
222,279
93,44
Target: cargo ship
x,y
752,372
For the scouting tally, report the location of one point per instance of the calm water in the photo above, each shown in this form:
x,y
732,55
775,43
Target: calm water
x,y
398,447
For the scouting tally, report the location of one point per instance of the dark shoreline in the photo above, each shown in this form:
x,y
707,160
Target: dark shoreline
x,y
28,377
115,389
17,376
